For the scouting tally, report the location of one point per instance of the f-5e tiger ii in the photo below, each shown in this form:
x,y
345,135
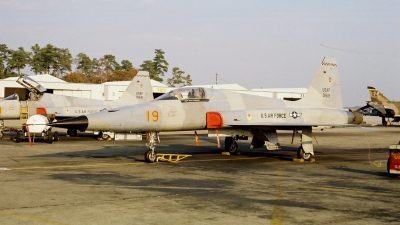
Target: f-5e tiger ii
x,y
40,102
230,114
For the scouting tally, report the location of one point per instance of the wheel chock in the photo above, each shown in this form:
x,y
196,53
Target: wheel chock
x,y
302,160
226,153
298,160
170,157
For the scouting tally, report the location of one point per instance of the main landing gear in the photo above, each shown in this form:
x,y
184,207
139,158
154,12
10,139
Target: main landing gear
x,y
305,151
72,132
231,145
150,155
302,155
384,123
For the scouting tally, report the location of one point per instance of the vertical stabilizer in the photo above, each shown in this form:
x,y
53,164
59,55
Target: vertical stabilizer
x,y
376,96
325,89
139,90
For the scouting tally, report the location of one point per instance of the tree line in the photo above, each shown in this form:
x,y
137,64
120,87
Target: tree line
x,y
59,63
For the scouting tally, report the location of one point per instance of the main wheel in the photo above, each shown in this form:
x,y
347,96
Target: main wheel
x,y
1,134
55,136
72,132
49,136
150,156
104,135
384,123
18,137
231,145
302,155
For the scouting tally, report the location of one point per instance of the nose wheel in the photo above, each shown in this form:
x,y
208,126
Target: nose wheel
x,y
150,155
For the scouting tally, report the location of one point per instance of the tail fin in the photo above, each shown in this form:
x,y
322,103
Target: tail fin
x,y
376,96
325,88
139,90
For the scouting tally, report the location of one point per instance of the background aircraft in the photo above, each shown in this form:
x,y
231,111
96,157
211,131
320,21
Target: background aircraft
x,y
39,102
385,107
234,115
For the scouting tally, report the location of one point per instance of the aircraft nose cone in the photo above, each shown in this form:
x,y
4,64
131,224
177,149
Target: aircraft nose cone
x,y
79,123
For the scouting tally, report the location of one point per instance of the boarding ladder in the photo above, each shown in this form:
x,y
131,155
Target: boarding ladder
x,y
24,112
164,157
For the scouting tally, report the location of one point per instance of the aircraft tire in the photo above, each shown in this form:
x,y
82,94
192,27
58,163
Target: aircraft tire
x,y
150,156
1,134
145,156
55,136
307,156
49,137
72,132
231,146
18,137
302,155
103,135
299,152
384,123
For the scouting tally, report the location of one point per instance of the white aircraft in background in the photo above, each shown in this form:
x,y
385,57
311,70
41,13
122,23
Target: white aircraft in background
x,y
39,102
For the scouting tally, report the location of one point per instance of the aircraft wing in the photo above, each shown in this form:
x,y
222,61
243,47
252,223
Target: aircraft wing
x,y
377,106
281,118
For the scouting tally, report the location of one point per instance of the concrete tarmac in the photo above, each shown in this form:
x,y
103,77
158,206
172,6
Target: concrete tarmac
x,y
81,180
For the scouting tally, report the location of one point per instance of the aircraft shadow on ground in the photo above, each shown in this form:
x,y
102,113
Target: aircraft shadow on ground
x,y
136,152
352,170
136,149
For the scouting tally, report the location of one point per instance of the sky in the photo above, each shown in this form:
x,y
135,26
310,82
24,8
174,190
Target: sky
x,y
254,43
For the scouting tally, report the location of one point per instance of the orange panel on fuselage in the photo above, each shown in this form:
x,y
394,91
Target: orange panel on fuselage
x,y
214,120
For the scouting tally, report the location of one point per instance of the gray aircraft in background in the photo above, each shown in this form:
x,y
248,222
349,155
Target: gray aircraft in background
x,y
233,115
40,102
385,107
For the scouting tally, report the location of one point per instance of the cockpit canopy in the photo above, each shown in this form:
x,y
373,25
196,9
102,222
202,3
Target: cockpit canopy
x,y
185,94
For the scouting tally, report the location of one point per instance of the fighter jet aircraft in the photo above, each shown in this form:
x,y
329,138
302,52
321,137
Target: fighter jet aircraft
x,y
385,107
39,102
230,114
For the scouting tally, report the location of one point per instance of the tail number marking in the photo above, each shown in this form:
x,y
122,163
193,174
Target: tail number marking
x,y
326,92
139,95
153,116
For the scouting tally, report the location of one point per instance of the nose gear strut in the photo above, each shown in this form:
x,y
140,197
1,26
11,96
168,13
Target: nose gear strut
x,y
150,155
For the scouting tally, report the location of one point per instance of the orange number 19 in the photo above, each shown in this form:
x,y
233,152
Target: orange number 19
x,y
153,116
